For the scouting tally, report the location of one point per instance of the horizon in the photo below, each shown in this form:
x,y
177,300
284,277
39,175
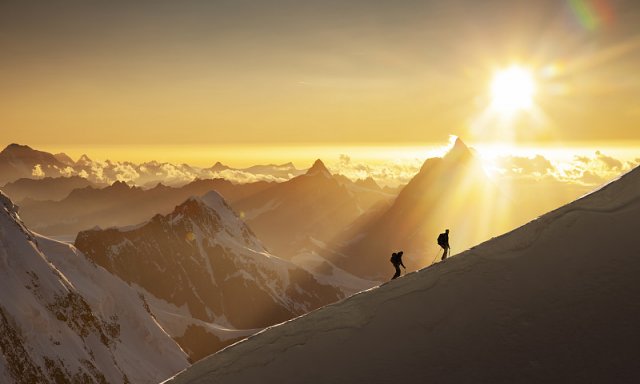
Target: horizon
x,y
302,155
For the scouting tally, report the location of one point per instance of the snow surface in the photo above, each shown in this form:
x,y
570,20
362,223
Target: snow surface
x,y
553,301
44,285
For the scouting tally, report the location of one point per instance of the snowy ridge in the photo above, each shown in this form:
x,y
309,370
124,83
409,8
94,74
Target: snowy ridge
x,y
62,318
555,300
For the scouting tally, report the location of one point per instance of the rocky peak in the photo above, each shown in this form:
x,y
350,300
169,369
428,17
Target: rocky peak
x,y
118,185
459,151
64,158
318,167
13,147
369,182
84,159
218,166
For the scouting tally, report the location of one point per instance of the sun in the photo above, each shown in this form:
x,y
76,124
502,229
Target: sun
x,y
512,90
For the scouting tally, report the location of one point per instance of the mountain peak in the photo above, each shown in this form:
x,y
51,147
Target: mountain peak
x,y
318,167
368,182
64,158
218,166
459,150
120,185
84,159
13,147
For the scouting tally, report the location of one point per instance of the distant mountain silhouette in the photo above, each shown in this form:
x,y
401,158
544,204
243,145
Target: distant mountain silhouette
x,y
49,188
315,205
65,159
21,161
219,167
203,258
446,193
121,204
18,161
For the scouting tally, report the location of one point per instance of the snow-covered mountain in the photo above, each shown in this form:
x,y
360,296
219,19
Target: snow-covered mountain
x,y
210,272
554,301
451,192
63,319
288,216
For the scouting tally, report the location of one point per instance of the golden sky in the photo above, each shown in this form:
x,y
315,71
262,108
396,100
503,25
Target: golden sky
x,y
160,73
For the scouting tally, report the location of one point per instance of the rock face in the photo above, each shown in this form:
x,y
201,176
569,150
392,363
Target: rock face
x,y
202,257
452,192
554,301
63,319
316,205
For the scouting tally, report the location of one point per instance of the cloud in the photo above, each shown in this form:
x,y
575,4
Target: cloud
x,y
67,172
242,177
609,161
125,172
535,166
37,171
585,170
388,174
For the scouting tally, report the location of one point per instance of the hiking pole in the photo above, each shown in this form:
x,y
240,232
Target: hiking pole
x,y
434,259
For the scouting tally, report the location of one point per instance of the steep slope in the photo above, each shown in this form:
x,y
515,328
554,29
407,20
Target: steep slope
x,y
49,188
18,161
316,205
121,204
63,319
554,301
203,258
450,192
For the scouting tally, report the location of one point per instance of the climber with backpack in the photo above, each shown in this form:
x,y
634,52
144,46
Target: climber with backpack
x,y
396,260
443,241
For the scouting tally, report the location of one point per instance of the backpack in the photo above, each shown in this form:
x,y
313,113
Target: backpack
x,y
441,239
394,258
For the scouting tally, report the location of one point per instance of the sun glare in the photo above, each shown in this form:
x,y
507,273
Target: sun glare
x,y
512,90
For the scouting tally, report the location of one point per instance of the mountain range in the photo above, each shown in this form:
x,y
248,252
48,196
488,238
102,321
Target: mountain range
x,y
21,161
46,189
218,278
317,205
121,204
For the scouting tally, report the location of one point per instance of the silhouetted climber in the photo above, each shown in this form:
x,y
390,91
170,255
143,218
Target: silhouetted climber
x,y
443,241
396,260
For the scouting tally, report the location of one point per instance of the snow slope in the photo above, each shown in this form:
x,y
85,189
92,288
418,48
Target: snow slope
x,y
63,319
554,301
